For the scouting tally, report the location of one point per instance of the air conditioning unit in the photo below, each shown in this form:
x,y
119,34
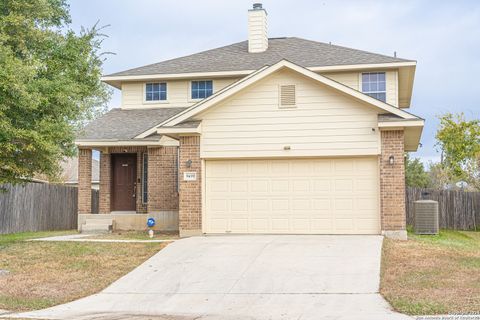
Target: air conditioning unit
x,y
426,217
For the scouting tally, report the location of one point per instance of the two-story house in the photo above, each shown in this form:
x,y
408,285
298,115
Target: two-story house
x,y
268,135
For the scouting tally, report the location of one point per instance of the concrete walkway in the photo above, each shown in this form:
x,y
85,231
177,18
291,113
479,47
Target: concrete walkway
x,y
82,237
245,277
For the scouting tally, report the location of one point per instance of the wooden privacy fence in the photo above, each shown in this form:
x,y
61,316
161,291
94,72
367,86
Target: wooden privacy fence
x,y
40,207
458,210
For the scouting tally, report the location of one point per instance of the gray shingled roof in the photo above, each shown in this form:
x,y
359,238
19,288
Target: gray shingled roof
x,y
235,57
124,124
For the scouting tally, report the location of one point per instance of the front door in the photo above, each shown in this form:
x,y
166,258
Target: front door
x,y
124,182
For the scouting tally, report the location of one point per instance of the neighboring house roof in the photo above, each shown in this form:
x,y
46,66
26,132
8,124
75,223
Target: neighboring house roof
x,y
125,124
188,113
235,57
70,170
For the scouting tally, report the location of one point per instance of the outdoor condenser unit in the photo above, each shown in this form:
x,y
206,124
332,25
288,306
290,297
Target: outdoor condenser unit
x,y
426,217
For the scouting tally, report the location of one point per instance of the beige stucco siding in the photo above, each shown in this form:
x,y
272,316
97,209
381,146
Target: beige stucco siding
x,y
178,93
323,123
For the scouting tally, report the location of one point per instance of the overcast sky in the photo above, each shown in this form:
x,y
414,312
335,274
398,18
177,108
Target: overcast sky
x,y
443,36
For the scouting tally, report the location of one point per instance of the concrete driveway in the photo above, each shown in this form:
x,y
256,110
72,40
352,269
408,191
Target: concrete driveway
x,y
246,277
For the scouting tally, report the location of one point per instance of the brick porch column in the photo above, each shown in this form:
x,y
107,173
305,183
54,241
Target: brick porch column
x,y
190,197
105,182
162,179
84,180
392,185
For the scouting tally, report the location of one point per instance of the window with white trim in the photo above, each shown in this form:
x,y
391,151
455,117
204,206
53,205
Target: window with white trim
x,y
156,91
374,85
202,89
145,178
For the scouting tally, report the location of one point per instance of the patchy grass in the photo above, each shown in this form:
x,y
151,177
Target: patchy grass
x,y
6,239
136,235
433,274
43,274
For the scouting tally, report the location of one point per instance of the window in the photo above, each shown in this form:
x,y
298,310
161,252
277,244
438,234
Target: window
x,y
373,84
202,89
155,91
145,178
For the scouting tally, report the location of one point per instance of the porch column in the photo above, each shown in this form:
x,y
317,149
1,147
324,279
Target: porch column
x,y
190,197
392,184
105,182
162,179
84,181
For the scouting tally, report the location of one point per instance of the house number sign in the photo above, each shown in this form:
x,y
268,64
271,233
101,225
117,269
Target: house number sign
x,y
189,176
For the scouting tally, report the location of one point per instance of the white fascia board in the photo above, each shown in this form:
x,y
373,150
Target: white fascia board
x,y
178,75
115,143
170,130
247,72
364,66
401,124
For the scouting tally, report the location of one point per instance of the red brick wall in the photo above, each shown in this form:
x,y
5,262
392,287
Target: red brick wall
x,y
190,209
162,179
84,181
105,182
392,181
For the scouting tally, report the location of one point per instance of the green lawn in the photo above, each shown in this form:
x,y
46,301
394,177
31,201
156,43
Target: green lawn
x,y
43,274
437,274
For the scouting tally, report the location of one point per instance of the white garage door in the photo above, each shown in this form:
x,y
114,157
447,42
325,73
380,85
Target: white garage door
x,y
304,196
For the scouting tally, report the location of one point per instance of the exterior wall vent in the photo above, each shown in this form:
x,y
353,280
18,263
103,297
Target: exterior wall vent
x,y
426,217
287,96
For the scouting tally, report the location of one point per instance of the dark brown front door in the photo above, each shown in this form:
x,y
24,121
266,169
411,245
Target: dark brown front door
x,y
124,181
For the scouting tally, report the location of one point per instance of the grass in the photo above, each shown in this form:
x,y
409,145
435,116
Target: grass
x,y
6,239
437,274
44,274
136,235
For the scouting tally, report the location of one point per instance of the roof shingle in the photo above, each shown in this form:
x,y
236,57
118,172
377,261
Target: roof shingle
x,y
125,124
235,57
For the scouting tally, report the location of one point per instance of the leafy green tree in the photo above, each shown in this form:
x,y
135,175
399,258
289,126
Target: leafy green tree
x,y
415,174
459,141
49,86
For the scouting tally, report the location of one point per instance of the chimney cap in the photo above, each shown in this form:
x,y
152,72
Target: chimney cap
x,y
257,6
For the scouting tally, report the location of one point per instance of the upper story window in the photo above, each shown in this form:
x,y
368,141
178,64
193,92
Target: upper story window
x,y
156,91
202,89
373,84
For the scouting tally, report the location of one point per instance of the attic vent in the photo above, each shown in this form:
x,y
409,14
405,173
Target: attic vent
x,y
287,95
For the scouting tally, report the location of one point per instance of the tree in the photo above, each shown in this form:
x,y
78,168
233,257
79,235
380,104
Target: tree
x,y
459,141
415,174
439,178
49,86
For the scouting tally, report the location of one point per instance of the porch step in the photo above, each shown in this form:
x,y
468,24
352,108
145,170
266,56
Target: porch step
x,y
97,225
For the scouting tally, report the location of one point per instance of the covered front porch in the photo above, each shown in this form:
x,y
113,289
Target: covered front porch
x,y
136,183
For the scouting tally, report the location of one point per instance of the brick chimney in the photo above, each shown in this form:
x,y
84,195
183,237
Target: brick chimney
x,y
257,29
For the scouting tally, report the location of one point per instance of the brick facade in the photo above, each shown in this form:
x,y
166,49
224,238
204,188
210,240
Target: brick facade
x,y
190,199
84,181
105,182
392,184
162,179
